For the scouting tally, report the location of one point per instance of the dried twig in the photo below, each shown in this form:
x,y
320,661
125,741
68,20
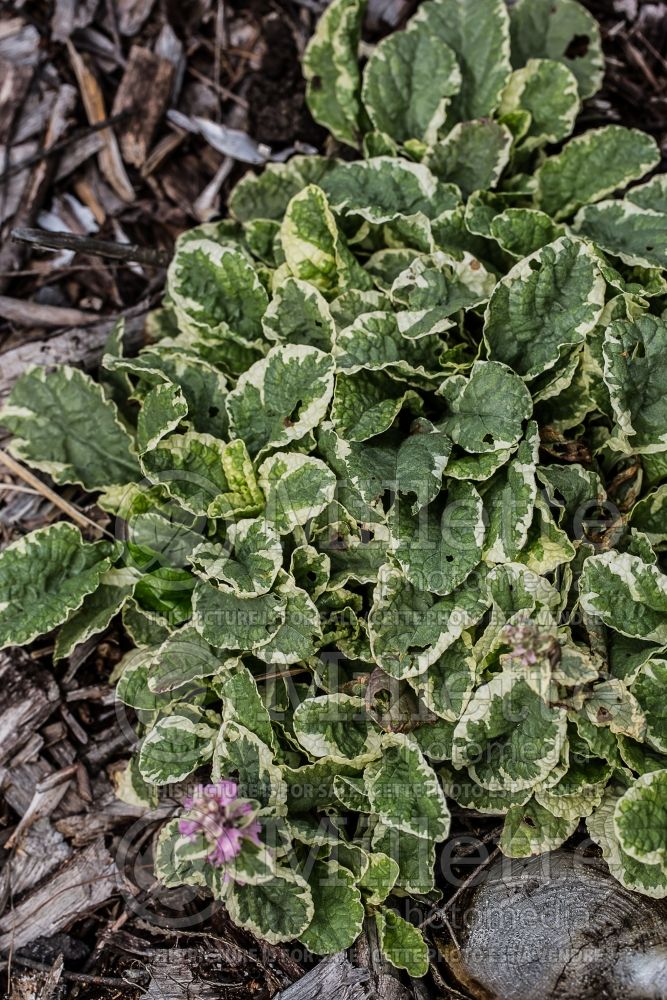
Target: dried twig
x,y
92,246
27,313
61,144
73,512
440,912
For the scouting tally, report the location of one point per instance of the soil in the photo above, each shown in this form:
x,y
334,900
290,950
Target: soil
x,y
80,914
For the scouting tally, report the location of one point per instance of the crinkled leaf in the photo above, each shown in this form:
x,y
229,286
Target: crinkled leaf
x,y
591,166
314,248
297,487
336,725
623,229
367,403
162,410
407,82
96,612
628,594
651,880
51,414
282,397
228,621
445,688
174,748
531,829
548,91
409,629
339,914
523,231
562,30
488,409
386,188
241,753
278,910
508,736
299,635
649,690
640,819
404,791
635,370
478,32
247,563
402,943
45,577
473,155
215,287
331,69
299,314
439,547
548,302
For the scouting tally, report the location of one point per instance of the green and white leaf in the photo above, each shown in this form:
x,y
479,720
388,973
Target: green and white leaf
x,y
548,302
299,635
238,751
215,288
410,629
473,155
439,547
96,612
510,500
45,577
252,568
297,488
623,229
640,819
331,69
314,248
402,943
510,738
446,687
532,829
635,370
278,910
228,621
282,397
386,189
592,166
563,30
650,880
299,314
478,32
339,914
408,81
174,748
50,414
161,412
548,91
627,594
610,703
649,690
338,726
487,410
404,791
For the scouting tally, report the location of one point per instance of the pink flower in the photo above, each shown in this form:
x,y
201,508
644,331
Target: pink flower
x,y
529,644
225,821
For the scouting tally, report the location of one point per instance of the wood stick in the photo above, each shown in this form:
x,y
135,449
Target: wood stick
x,y
94,247
27,313
68,140
73,512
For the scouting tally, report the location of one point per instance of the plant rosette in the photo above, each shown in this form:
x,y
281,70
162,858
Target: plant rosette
x,y
390,489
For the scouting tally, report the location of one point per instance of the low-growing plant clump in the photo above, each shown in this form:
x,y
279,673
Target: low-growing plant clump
x,y
391,479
